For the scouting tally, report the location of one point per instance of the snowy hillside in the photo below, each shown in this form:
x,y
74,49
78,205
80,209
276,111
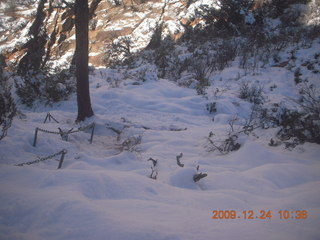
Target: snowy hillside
x,y
206,137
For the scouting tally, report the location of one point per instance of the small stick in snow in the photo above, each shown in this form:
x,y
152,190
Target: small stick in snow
x,y
153,170
197,177
178,160
49,117
154,162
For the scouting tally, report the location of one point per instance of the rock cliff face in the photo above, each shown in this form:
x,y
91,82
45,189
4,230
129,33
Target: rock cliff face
x,y
43,33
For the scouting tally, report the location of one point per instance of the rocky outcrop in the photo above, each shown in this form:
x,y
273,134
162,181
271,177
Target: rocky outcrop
x,y
50,35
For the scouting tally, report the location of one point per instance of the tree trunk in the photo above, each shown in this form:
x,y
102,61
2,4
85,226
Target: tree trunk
x,y
81,59
36,46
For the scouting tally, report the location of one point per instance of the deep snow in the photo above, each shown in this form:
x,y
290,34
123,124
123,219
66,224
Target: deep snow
x,y
103,190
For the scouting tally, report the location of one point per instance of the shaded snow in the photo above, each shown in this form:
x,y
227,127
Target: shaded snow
x,y
103,191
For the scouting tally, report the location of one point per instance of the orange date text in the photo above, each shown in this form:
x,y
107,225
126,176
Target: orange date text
x,y
260,214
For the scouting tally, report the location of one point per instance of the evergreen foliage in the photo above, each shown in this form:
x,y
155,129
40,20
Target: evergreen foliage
x,y
7,105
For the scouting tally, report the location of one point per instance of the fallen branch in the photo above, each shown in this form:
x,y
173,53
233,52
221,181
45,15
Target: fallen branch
x,y
153,170
154,162
178,160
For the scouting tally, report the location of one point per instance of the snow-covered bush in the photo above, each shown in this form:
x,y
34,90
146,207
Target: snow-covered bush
x,y
301,126
143,73
297,76
228,18
7,105
233,140
211,107
131,144
297,125
225,53
309,102
115,2
44,85
164,56
313,15
251,93
292,15
201,76
28,89
279,7
224,146
11,5
119,52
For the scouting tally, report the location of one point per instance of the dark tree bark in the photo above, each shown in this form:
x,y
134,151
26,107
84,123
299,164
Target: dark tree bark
x,y
36,46
81,59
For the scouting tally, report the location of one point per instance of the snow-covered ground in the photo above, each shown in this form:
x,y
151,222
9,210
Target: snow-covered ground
x,y
104,190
